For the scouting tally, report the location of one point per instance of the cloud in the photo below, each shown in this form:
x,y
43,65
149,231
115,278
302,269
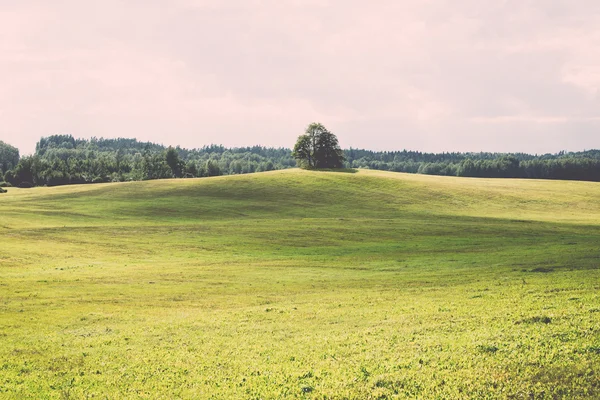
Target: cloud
x,y
428,75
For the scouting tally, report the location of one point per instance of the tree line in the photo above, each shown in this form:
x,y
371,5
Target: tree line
x,y
567,166
62,159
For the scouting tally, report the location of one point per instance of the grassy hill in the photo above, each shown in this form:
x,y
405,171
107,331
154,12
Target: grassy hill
x,y
303,285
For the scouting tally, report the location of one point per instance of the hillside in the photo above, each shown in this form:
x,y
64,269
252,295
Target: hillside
x,y
298,284
305,194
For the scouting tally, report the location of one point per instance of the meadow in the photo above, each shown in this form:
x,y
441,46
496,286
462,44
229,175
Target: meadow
x,y
301,284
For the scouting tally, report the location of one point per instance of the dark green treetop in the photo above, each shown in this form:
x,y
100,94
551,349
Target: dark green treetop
x,y
318,148
9,157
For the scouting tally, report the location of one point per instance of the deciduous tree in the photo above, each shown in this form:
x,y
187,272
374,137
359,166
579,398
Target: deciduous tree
x,y
318,148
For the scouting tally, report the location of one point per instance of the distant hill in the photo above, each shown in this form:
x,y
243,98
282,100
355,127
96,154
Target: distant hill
x,y
296,193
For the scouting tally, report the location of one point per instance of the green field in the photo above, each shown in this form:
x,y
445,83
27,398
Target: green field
x,y
296,284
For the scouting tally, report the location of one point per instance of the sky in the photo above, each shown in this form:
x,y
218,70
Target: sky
x,y
443,75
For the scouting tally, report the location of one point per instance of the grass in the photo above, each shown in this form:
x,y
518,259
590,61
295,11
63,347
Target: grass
x,y
301,284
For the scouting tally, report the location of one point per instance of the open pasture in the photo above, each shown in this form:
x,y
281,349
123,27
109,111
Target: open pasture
x,y
298,284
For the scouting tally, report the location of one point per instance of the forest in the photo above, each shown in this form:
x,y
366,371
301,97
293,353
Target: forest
x,y
63,159
583,165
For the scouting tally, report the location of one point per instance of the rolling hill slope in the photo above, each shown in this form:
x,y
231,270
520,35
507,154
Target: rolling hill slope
x,y
303,285
304,194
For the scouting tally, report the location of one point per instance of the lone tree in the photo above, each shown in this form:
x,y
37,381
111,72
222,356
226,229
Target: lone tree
x,y
318,148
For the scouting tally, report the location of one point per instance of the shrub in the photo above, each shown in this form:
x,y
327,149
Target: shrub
x,y
56,178
9,176
3,190
5,184
25,185
77,179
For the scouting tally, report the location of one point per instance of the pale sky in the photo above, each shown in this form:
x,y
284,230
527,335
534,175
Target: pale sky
x,y
443,75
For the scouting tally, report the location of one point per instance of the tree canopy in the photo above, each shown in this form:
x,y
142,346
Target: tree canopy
x,y
62,159
9,157
318,148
